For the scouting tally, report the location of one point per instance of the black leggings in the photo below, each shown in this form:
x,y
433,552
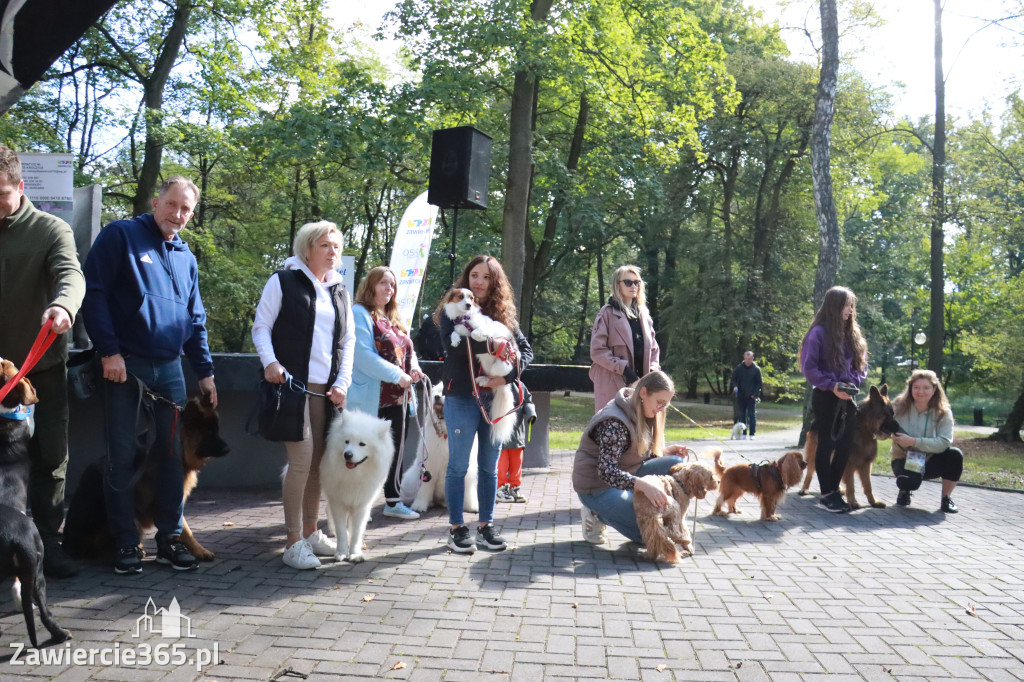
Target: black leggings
x,y
830,459
947,465
395,414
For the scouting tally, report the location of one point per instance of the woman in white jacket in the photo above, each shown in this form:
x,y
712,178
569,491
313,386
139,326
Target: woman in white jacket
x,y
304,328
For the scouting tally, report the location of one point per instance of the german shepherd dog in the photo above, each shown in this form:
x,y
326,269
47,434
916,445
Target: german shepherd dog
x,y
21,547
875,419
85,531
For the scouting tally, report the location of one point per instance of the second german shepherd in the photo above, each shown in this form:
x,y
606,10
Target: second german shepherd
x,y
875,419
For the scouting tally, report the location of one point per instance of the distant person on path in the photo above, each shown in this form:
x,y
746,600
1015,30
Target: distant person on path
x,y
746,389
142,309
384,366
623,443
926,418
40,280
304,327
834,359
623,347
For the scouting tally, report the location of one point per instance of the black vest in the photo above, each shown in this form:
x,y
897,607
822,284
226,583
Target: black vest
x,y
292,334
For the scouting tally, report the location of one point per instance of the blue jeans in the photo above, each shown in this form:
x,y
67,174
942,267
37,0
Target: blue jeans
x,y
614,507
462,415
122,408
748,413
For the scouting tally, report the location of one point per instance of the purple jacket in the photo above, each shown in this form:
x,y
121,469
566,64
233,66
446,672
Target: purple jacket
x,y
611,350
815,366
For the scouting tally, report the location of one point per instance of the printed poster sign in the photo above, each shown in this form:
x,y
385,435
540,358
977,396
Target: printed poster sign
x,y
50,183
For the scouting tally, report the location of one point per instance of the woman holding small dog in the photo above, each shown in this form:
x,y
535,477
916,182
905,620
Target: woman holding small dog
x,y
623,443
385,366
834,359
622,344
923,450
483,276
304,328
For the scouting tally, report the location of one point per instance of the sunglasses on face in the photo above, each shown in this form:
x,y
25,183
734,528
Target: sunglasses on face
x,y
631,282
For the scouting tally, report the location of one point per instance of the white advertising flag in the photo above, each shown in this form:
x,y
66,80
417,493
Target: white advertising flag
x,y
410,252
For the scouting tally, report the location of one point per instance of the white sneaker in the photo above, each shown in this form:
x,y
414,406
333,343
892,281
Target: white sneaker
x,y
751,438
593,528
321,543
400,511
300,556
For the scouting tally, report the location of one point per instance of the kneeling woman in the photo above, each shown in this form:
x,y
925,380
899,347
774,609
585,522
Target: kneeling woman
x,y
927,421
623,443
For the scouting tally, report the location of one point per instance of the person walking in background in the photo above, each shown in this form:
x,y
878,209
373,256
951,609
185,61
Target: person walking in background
x,y
142,309
623,347
385,366
484,276
834,359
304,328
746,390
510,463
923,449
40,280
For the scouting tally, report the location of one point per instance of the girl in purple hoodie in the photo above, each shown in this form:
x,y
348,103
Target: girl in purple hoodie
x,y
834,359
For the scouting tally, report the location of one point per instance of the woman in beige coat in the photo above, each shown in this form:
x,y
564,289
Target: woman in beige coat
x,y
622,346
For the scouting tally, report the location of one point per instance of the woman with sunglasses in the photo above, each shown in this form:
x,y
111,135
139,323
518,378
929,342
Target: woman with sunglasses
x,y
622,346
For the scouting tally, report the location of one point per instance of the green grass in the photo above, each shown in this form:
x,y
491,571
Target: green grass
x,y
570,415
987,463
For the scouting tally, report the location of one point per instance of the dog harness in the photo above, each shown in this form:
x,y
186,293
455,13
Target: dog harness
x,y
773,470
464,323
19,414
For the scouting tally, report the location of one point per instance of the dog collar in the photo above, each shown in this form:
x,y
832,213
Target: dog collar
x,y
20,413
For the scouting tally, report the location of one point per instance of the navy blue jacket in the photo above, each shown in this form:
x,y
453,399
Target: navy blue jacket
x,y
142,295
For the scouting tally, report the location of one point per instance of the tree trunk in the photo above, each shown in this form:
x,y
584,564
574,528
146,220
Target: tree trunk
x,y
936,321
543,252
153,88
1010,430
520,161
314,194
821,139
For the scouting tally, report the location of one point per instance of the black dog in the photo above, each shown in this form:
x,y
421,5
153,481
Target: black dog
x,y
21,548
85,528
21,556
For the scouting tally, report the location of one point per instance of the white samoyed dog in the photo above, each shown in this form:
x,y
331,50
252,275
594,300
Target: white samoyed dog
x,y
352,472
423,483
461,308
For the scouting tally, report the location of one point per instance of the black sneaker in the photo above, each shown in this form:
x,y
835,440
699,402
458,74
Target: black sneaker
x,y
170,551
486,537
57,564
128,560
903,499
458,540
834,502
948,505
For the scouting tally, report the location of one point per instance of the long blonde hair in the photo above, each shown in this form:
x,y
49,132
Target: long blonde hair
x,y
366,296
638,308
939,402
650,434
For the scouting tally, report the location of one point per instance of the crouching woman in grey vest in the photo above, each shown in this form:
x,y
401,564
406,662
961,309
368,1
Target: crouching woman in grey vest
x,y
623,443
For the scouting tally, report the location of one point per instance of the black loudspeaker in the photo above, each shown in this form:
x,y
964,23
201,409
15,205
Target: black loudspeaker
x,y
460,166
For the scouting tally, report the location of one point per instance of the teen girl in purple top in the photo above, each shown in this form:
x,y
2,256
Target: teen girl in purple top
x,y
833,353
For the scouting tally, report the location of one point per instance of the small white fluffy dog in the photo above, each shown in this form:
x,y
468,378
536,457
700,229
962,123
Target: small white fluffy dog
x,y
460,307
420,494
352,472
737,430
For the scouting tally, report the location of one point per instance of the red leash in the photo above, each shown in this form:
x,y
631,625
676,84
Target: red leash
x,y
505,351
43,341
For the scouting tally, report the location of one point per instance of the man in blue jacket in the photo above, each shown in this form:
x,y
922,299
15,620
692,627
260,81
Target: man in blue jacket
x,y
142,309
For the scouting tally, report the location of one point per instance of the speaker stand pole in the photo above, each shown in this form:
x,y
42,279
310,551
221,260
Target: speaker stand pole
x,y
451,253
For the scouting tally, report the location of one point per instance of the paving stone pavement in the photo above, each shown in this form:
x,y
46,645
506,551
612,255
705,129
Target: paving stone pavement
x,y
879,594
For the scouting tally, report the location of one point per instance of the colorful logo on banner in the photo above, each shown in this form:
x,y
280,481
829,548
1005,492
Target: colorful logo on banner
x,y
410,252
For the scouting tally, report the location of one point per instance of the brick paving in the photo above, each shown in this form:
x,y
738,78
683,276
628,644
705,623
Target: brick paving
x,y
880,594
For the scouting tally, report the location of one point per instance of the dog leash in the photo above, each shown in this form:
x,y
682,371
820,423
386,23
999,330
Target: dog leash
x,y
705,430
44,339
507,352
